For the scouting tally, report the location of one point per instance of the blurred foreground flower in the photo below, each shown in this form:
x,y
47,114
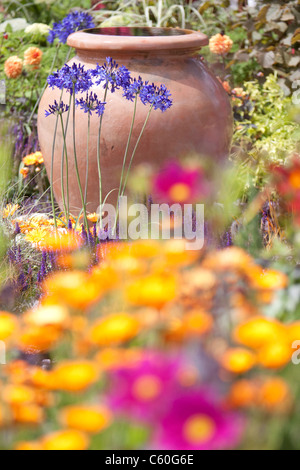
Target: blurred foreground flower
x,y
33,56
178,184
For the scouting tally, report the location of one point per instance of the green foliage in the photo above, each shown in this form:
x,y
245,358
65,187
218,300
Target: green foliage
x,y
267,131
42,11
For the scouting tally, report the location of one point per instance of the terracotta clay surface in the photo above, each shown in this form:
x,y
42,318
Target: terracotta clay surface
x,y
200,119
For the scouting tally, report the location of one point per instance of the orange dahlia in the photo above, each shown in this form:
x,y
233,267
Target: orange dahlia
x,y
13,67
220,44
33,56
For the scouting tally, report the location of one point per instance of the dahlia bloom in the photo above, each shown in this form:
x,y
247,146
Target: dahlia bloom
x,y
33,56
195,421
176,184
13,67
220,44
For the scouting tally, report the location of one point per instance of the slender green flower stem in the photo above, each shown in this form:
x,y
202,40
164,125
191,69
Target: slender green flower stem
x,y
67,162
135,149
76,161
65,152
51,175
87,159
125,159
98,157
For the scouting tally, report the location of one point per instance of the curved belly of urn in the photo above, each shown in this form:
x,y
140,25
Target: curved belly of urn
x,y
200,120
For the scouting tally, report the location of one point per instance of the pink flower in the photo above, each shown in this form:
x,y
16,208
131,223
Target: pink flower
x,y
144,391
195,421
176,184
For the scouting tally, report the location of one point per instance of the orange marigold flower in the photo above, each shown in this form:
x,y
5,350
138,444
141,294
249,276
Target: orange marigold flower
x,y
28,414
220,44
274,394
15,394
259,331
267,279
8,325
89,419
114,329
75,289
111,358
13,67
65,440
24,172
58,241
275,355
33,56
35,338
155,290
33,159
238,360
75,376
243,394
93,218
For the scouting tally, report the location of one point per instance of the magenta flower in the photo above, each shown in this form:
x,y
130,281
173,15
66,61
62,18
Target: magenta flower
x,y
144,391
195,421
177,184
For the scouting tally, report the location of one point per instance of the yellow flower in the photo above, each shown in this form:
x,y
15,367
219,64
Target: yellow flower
x,y
58,241
238,360
36,236
47,315
24,172
65,440
155,290
259,331
74,376
232,258
89,419
275,355
13,67
267,279
10,210
8,325
33,56
35,338
76,289
114,329
93,218
33,159
220,44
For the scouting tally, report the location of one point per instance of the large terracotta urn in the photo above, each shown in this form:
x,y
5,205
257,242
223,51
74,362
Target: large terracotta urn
x,y
200,119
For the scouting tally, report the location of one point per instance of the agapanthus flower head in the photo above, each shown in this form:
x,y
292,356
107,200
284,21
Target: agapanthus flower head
x,y
75,21
111,75
56,108
91,104
196,421
157,96
178,184
220,44
71,78
33,56
144,389
133,89
13,67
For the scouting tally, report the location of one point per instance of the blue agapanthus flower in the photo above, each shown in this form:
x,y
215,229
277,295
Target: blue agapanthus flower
x,y
71,78
133,89
73,22
91,104
111,75
158,97
57,108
